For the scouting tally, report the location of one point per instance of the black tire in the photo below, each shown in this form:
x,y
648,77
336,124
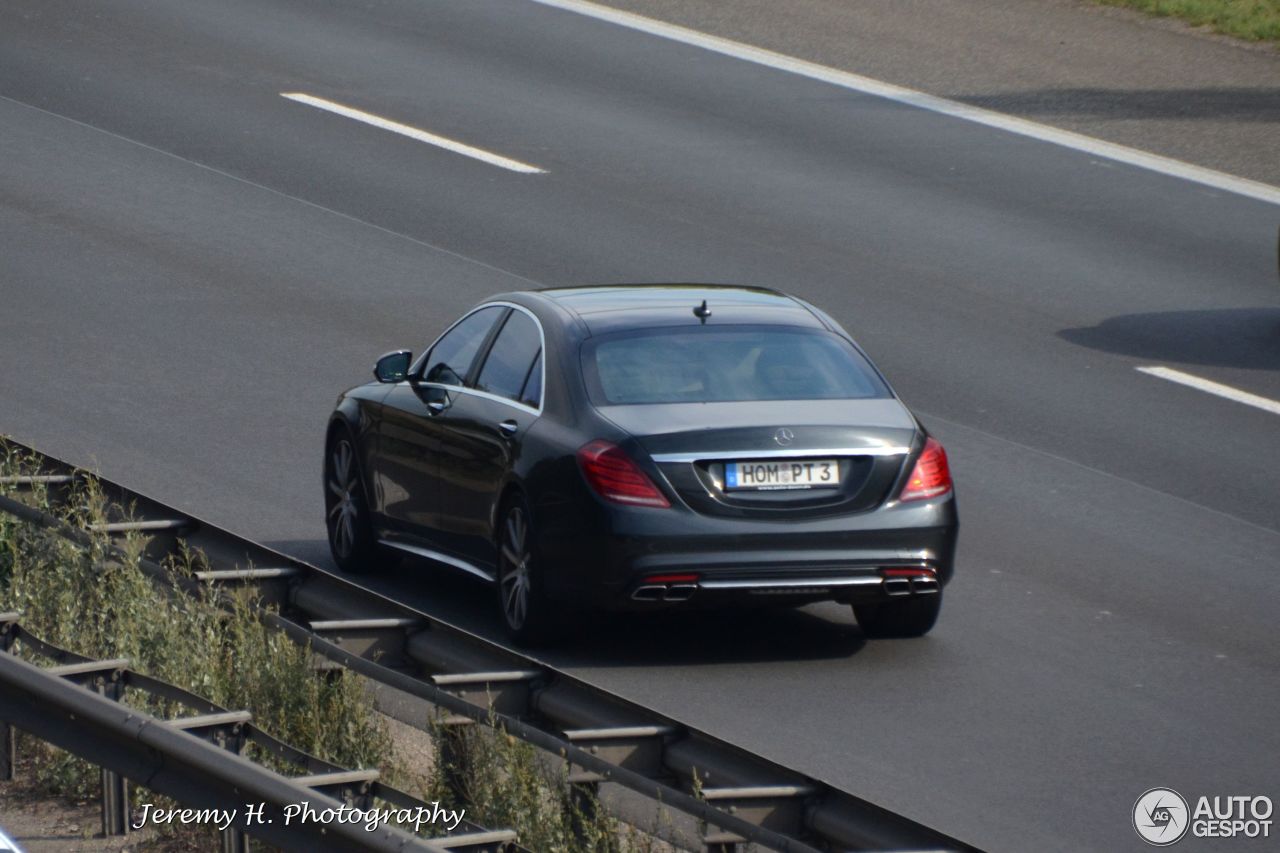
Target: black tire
x,y
904,617
346,510
522,602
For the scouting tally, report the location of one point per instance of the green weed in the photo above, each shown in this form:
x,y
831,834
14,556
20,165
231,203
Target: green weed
x,y
1255,20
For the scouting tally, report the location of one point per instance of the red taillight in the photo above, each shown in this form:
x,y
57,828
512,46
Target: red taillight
x,y
931,477
671,579
908,573
616,478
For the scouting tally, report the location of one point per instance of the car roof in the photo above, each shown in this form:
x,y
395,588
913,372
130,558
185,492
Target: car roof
x,y
615,307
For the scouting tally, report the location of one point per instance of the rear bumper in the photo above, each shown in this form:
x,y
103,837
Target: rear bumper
x,y
801,588
638,558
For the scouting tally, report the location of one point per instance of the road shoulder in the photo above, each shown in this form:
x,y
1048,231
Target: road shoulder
x,y
1152,84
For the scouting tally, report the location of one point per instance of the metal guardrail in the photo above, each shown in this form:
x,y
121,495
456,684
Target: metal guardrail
x,y
197,759
423,665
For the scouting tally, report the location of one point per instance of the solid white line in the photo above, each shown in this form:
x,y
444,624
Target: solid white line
x,y
414,133
1264,403
901,94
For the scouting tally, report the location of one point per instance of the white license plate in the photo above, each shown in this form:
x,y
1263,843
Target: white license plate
x,y
782,474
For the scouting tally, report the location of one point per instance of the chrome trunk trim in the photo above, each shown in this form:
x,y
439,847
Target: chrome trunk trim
x,y
789,453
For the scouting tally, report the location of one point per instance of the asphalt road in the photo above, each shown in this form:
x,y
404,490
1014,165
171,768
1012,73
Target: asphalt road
x,y
194,266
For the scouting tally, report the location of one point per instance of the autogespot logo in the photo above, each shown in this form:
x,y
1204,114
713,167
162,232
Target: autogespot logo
x,y
1160,817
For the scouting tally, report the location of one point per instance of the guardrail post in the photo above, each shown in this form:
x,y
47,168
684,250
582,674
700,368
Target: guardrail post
x,y
8,753
115,788
234,840
8,736
115,803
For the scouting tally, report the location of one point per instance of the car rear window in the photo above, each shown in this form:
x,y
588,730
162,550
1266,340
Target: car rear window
x,y
711,364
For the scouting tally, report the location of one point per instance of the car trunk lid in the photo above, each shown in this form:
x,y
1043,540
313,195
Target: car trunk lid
x,y
696,446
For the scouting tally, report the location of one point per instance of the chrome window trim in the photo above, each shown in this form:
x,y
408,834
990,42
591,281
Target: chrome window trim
x,y
497,398
789,453
418,366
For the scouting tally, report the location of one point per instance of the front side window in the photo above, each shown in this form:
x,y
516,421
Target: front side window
x,y
515,352
711,364
450,359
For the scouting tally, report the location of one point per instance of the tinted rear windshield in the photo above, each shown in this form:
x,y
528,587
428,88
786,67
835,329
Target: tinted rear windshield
x,y
726,364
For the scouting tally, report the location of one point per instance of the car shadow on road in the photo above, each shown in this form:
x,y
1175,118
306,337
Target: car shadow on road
x,y
1232,337
710,637
693,637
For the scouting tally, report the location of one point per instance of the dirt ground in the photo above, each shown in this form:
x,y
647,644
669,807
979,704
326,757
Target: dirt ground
x,y
40,823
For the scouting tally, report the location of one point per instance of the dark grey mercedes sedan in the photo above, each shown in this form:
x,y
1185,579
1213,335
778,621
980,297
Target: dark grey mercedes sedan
x,y
643,447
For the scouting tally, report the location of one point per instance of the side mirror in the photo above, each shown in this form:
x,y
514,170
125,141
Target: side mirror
x,y
393,367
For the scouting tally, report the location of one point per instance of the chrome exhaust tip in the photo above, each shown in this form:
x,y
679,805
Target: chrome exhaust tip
x,y
924,586
649,593
664,592
680,592
897,586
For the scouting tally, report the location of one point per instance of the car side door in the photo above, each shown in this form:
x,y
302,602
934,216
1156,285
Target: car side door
x,y
482,434
410,436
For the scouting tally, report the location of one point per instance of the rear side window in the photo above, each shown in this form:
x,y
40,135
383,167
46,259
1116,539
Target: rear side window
x,y
514,354
532,393
726,364
450,359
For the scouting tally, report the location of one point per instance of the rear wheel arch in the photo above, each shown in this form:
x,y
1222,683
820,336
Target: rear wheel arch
x,y
512,490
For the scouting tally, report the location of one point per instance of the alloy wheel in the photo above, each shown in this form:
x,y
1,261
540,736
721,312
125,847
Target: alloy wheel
x,y
514,582
344,507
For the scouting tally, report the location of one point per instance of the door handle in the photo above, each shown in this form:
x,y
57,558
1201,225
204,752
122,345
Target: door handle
x,y
508,428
